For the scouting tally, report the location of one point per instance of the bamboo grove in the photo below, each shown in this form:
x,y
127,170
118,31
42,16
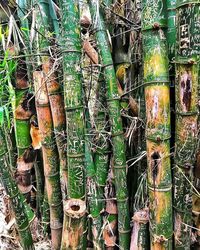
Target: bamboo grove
x,y
99,122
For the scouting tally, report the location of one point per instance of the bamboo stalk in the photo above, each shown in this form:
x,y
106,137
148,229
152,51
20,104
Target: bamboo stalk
x,y
116,127
98,172
50,158
73,99
45,214
17,200
187,74
22,113
156,78
53,87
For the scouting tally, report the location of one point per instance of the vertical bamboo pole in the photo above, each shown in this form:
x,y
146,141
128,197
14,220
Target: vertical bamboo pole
x,y
187,74
17,201
156,79
101,165
50,158
116,126
44,25
73,98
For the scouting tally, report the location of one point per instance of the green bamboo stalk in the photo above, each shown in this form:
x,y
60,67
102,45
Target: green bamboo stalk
x,y
22,114
171,29
98,170
53,87
22,10
17,200
72,75
187,74
102,153
54,18
45,214
116,127
156,79
92,189
50,158
73,98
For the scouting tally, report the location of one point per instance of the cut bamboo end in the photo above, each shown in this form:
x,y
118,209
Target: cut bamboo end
x,y
75,208
74,226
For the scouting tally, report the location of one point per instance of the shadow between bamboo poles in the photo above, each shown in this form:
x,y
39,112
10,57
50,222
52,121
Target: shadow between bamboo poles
x,y
156,77
50,157
187,77
17,200
116,127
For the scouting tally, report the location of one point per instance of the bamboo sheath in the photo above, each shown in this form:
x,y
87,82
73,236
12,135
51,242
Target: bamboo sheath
x,y
156,79
187,77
